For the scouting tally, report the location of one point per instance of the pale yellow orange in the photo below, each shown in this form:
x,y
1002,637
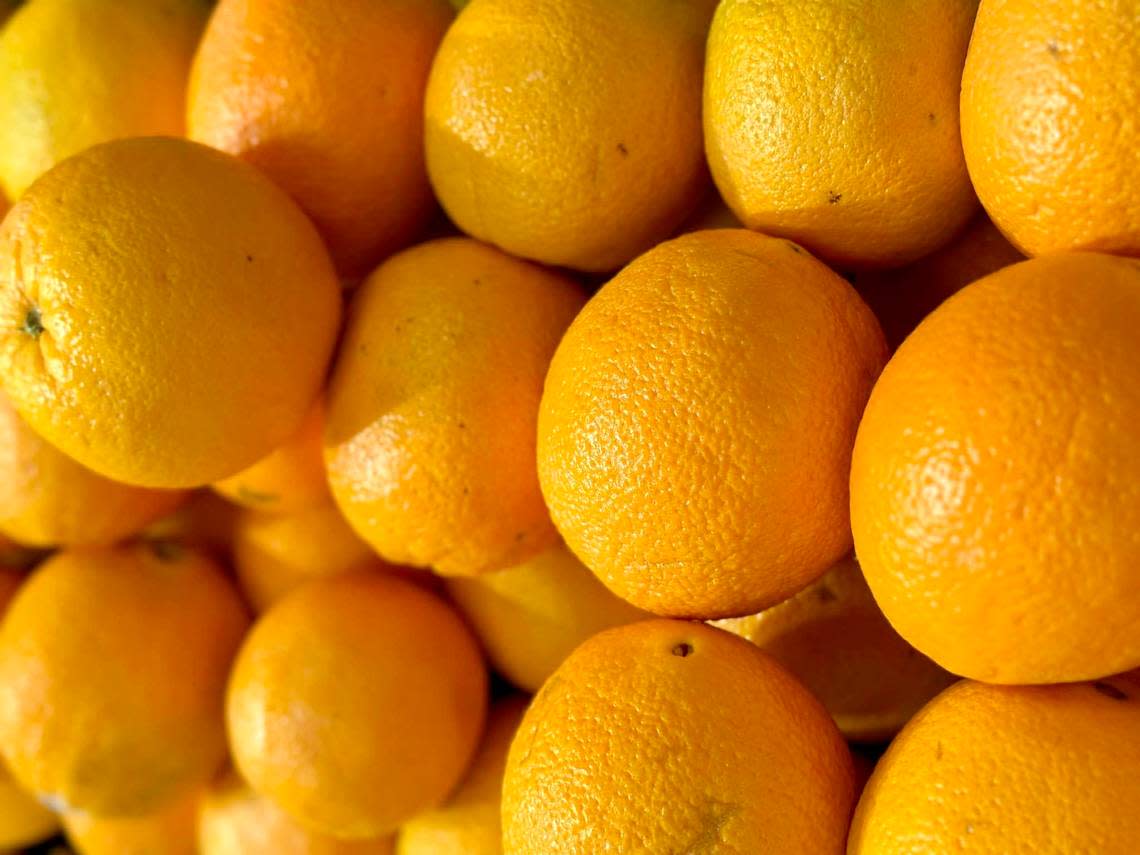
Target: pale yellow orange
x,y
169,831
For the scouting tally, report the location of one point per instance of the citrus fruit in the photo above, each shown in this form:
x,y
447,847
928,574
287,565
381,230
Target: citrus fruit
x,y
695,434
168,312
833,637
1049,101
429,437
47,499
74,73
280,83
469,823
569,133
531,616
995,485
290,478
356,703
236,821
205,521
170,831
114,662
835,124
668,736
1010,769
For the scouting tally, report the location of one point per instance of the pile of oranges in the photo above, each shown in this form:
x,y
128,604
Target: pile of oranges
x,y
570,426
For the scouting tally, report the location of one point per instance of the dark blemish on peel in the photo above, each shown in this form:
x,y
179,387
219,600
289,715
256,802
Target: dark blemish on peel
x,y
795,247
938,751
249,258
33,323
1053,48
826,595
462,425
520,537
683,649
1109,691
930,117
833,197
624,151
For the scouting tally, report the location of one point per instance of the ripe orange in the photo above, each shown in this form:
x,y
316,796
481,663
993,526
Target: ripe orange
x,y
835,124
469,823
170,831
281,82
429,438
569,133
695,434
47,499
995,770
356,703
531,616
115,663
236,821
995,485
168,313
290,478
666,736
1049,102
833,637
74,73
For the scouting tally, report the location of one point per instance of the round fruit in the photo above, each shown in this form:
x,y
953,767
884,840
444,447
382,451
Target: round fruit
x,y
835,124
430,434
356,703
995,485
280,83
115,662
74,73
833,637
666,736
168,313
47,499
236,821
1050,95
530,617
290,478
694,438
170,831
469,823
569,132
1000,769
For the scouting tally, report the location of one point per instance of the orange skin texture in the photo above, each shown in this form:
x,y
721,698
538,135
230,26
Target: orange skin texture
x,y
530,617
170,831
668,736
833,638
469,823
356,703
166,313
1010,770
234,820
75,73
279,83
47,499
835,123
901,298
569,133
694,441
430,434
996,476
115,662
1050,95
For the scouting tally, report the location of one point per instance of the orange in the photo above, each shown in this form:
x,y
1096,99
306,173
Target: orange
x,y
275,553
667,736
999,770
995,486
531,616
328,102
114,663
1049,102
290,478
204,521
903,297
835,123
170,831
468,824
74,73
569,133
695,434
429,438
47,499
833,637
167,312
356,703
236,821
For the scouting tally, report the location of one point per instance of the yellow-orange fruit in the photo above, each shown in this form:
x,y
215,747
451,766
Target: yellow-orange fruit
x,y
170,831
